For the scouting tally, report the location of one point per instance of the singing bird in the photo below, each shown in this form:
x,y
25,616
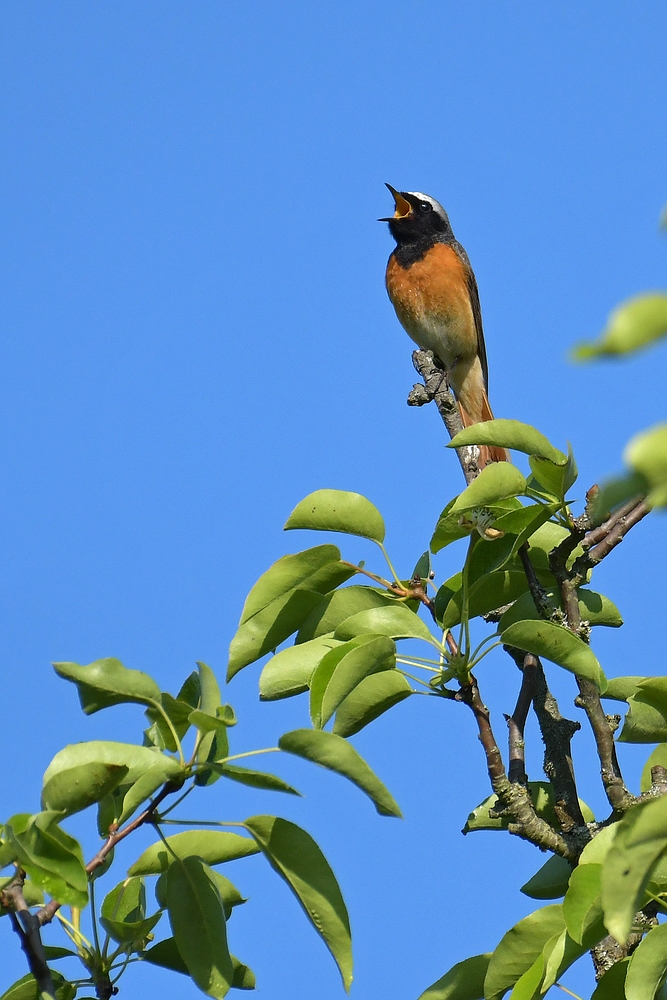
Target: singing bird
x,y
433,289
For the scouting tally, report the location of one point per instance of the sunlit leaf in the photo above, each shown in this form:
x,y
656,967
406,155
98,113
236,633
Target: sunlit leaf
x,y
611,986
335,608
495,482
374,696
550,881
558,644
266,630
464,981
519,948
289,672
298,860
318,569
72,790
350,664
337,510
657,758
632,326
509,434
582,906
640,839
212,846
254,779
27,989
397,622
107,682
198,924
336,754
648,966
646,454
52,859
594,608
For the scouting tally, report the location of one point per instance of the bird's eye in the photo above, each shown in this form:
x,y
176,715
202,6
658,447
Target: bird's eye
x,y
426,206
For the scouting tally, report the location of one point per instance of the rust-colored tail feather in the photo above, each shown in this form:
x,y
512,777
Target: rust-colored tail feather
x,y
487,453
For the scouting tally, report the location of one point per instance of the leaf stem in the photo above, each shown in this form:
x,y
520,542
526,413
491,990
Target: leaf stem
x,y
166,718
248,753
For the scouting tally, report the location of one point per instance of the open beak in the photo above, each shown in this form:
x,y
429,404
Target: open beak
x,y
403,207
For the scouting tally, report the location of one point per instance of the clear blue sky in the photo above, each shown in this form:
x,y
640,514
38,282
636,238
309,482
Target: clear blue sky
x,y
195,335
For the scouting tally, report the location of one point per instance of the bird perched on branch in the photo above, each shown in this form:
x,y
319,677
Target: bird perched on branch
x,y
433,289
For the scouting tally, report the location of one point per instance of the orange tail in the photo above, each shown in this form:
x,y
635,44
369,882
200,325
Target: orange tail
x,y
487,453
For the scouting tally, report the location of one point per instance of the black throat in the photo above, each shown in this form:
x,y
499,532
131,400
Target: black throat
x,y
407,254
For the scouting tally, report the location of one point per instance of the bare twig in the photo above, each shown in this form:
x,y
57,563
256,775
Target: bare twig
x,y
615,535
27,926
436,387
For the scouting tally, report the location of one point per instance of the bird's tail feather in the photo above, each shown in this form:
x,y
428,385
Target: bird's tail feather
x,y
487,453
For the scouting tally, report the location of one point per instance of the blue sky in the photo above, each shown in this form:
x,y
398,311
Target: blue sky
x,y
195,335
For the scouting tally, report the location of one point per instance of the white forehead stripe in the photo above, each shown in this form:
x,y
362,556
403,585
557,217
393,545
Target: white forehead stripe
x,y
437,207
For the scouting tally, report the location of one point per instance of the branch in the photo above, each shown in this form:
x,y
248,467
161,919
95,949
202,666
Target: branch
x,y
436,387
620,799
538,593
27,926
513,797
557,734
516,723
46,914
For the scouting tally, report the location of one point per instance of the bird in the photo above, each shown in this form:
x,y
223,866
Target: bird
x,y
433,290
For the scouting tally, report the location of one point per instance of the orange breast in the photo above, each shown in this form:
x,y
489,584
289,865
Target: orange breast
x,y
432,302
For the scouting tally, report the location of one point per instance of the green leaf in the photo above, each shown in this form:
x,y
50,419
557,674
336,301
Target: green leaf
x,y
254,779
244,977
51,858
337,510
342,669
107,682
397,622
178,713
555,478
643,723
123,914
335,608
318,569
519,948
167,956
597,849
229,894
611,986
53,953
298,860
138,760
550,881
370,699
594,608
646,454
142,789
198,924
561,953
336,754
27,989
212,846
640,839
448,528
582,907
659,758
464,981
495,482
635,324
77,788
558,644
648,966
491,592
266,630
509,434
289,672
528,985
